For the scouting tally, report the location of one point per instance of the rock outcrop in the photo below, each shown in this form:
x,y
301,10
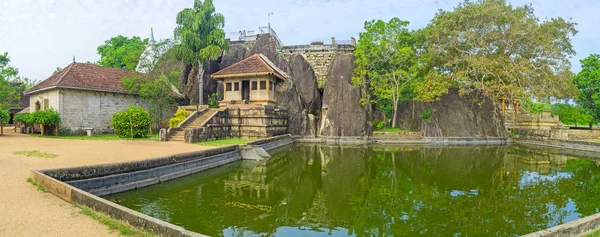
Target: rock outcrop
x,y
468,116
306,81
342,113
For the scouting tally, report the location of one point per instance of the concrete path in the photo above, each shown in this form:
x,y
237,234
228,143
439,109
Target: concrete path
x,y
24,211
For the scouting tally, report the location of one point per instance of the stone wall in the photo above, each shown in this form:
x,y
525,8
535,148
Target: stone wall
x,y
53,96
92,109
319,56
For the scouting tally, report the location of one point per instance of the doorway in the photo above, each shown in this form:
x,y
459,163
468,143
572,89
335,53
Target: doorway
x,y
245,90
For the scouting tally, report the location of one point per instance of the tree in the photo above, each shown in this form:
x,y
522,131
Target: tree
x,y
502,50
10,90
58,69
4,118
588,83
386,60
202,39
572,115
121,52
157,86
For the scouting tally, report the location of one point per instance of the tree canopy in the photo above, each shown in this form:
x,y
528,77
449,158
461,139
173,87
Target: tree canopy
x,y
503,50
386,60
11,84
121,52
202,39
588,83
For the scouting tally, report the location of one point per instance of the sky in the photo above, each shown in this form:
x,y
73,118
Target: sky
x,y
41,35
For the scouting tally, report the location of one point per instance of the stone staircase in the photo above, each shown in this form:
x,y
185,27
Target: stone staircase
x,y
198,121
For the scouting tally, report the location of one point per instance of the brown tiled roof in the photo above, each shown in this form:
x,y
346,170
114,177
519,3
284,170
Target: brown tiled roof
x,y
256,64
87,77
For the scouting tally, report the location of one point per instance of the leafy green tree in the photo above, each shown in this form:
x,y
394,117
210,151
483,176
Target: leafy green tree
x,y
132,123
121,52
572,115
200,31
157,87
9,76
58,69
4,118
503,50
386,60
588,83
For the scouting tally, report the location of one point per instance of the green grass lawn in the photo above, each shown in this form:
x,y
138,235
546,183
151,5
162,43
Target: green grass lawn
x,y
392,130
152,137
225,142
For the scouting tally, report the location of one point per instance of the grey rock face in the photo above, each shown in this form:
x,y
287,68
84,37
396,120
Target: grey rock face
x,y
342,113
471,115
306,81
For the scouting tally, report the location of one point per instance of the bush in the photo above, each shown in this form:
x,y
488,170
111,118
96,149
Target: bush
x,y
213,100
427,115
132,123
180,115
45,117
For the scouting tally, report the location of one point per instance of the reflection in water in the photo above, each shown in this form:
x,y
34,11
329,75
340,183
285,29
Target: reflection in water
x,y
320,190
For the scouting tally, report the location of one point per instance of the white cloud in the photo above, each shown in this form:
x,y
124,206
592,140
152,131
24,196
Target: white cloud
x,y
45,34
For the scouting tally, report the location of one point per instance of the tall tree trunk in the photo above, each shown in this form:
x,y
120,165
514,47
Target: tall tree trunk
x,y
395,114
184,75
1,127
200,83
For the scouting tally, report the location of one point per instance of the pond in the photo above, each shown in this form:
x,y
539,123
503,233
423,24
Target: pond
x,y
322,190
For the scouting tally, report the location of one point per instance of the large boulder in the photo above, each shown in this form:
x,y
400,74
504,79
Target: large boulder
x,y
306,81
469,116
342,114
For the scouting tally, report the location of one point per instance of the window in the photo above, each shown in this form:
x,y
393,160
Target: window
x,y
271,85
228,86
254,85
263,85
236,86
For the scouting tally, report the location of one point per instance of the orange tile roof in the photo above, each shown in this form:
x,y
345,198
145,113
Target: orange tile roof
x,y
87,77
256,64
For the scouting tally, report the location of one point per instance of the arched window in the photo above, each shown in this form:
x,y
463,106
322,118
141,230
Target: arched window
x,y
38,106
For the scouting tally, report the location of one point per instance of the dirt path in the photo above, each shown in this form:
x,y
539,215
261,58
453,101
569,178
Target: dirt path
x,y
24,211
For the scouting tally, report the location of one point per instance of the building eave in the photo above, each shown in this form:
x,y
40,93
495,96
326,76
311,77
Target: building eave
x,y
77,88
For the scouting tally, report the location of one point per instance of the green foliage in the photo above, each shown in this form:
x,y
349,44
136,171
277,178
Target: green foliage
x,y
4,116
502,50
588,83
132,123
10,94
156,91
121,52
572,115
379,125
536,108
36,154
386,61
214,99
427,115
38,186
180,115
45,117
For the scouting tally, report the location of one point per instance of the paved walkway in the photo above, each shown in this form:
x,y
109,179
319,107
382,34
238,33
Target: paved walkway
x,y
24,211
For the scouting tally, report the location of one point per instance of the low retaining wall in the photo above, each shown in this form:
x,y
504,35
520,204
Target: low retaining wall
x,y
401,140
575,148
80,185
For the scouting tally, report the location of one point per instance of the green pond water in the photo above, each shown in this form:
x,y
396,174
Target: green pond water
x,y
321,190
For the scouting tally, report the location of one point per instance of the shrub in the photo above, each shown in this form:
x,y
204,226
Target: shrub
x,y
213,100
427,115
45,117
132,123
180,115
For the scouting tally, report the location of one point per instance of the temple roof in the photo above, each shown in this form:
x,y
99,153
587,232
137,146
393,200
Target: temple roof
x,y
254,65
86,77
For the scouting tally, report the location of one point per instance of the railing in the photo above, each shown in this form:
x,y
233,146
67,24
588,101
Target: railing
x,y
270,31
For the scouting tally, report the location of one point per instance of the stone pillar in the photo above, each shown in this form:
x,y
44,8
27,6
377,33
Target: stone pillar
x,y
332,40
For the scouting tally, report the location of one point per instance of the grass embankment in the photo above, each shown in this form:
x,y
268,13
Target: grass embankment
x,y
36,154
123,228
593,234
109,137
391,130
225,142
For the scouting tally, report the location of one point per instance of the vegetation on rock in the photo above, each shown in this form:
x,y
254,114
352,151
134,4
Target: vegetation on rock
x,y
132,123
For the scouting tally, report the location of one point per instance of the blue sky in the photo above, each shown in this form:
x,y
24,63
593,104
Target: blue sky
x,y
41,35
